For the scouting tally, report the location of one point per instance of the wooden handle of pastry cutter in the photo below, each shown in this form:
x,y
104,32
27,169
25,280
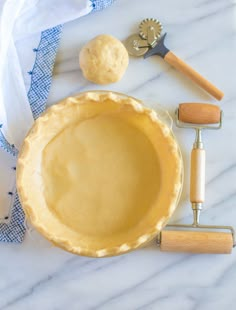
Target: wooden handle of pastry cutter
x,y
196,242
181,66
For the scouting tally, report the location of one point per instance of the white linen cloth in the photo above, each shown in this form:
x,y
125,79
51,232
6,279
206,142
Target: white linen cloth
x,y
29,38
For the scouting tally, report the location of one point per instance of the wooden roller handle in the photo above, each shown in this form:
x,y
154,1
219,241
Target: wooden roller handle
x,y
181,66
197,179
199,113
196,242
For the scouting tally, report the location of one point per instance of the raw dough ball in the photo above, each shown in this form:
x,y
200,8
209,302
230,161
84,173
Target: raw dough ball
x,y
103,60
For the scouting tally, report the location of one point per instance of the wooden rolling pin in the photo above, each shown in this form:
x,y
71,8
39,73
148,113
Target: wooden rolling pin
x,y
197,240
199,113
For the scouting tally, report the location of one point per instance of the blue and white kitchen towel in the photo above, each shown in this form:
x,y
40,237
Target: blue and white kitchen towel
x,y
29,37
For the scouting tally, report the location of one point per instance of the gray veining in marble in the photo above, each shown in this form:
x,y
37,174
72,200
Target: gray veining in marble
x,y
36,275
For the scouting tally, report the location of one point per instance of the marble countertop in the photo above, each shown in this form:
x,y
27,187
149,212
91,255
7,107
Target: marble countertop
x,y
36,275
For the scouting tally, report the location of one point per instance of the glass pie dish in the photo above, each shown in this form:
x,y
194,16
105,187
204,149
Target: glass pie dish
x,y
99,174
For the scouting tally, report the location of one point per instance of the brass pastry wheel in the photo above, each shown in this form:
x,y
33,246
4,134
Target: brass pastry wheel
x,y
149,42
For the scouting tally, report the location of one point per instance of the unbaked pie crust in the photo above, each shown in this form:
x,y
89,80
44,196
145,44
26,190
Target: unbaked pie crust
x,y
99,174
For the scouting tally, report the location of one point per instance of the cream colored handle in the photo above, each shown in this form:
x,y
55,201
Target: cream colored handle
x,y
181,66
197,179
196,242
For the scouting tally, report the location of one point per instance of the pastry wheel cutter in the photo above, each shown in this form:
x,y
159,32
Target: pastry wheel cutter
x,y
149,42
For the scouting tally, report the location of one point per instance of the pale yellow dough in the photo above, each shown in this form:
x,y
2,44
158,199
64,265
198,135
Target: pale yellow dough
x,y
99,174
103,60
98,181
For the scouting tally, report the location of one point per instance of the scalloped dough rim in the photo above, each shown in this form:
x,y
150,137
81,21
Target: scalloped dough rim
x,y
99,96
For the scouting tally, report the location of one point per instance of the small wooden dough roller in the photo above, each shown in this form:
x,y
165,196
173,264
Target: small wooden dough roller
x,y
201,238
